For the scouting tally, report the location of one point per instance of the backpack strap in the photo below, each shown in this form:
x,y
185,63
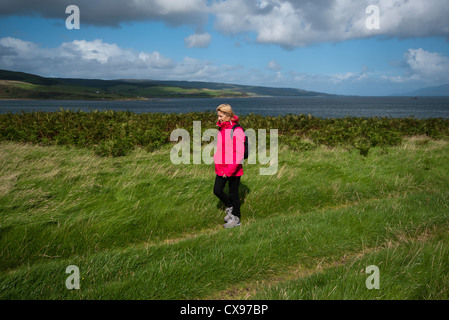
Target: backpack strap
x,y
235,126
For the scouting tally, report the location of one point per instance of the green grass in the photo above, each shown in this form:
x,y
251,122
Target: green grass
x,y
25,90
414,267
178,92
139,227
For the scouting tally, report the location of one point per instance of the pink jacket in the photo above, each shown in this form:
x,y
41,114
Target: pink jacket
x,y
229,155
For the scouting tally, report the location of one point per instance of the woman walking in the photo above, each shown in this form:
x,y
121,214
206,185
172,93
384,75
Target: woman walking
x,y
228,160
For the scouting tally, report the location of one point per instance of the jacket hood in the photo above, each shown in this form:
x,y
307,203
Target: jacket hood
x,y
228,124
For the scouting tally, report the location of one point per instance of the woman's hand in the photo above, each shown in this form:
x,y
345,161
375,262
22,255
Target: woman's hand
x,y
224,176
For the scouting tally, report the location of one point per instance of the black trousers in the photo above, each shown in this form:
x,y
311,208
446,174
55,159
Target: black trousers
x,y
231,200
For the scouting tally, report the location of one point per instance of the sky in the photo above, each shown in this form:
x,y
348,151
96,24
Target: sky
x,y
348,47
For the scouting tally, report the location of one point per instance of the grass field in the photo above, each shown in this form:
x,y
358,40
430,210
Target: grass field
x,y
139,227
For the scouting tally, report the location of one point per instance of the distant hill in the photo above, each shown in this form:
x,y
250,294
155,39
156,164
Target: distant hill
x,y
250,90
440,91
20,85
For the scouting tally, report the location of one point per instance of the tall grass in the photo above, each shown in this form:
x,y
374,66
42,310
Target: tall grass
x,y
415,267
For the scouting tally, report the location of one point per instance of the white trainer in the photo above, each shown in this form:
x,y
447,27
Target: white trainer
x,y
228,214
233,222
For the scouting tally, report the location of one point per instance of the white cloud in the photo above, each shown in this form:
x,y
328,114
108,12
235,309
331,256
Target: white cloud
x,y
17,53
81,58
303,22
155,60
274,66
201,40
93,50
428,66
288,23
422,67
18,47
97,59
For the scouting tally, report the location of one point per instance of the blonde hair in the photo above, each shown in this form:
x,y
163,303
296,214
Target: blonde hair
x,y
226,109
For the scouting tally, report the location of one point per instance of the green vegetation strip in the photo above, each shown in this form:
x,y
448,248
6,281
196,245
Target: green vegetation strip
x,y
116,133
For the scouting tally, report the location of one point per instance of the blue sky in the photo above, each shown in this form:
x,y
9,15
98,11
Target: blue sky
x,y
322,46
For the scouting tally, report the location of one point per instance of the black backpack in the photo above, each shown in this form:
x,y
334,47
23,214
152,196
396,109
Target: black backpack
x,y
246,140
